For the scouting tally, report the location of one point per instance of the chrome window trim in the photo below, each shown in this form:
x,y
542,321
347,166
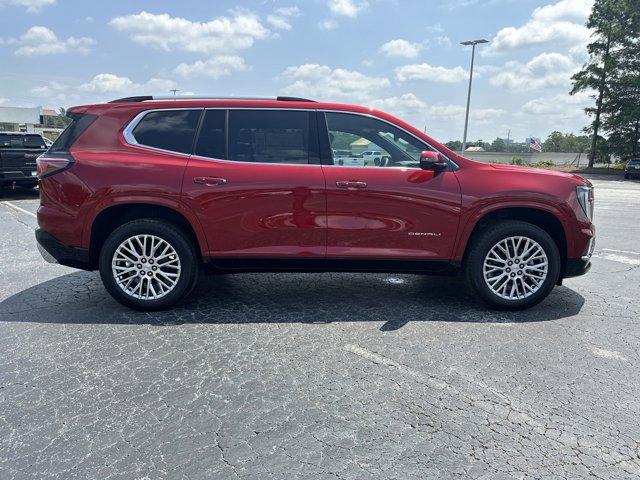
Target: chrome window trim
x,y
127,133
130,139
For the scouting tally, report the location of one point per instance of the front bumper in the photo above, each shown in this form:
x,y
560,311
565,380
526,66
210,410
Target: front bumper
x,y
54,251
577,266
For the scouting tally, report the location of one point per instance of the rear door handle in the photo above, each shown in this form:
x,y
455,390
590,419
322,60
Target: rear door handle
x,y
350,184
209,181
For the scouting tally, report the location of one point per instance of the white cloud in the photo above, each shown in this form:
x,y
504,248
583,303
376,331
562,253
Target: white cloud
x,y
281,17
424,71
562,104
40,40
110,83
324,83
328,25
542,71
347,8
214,68
221,35
558,23
443,41
406,104
3,100
456,112
32,6
400,48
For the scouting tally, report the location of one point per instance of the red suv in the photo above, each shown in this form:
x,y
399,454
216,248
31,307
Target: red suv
x,y
152,191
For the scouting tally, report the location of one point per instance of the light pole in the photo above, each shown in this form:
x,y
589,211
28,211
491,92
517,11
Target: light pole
x,y
473,44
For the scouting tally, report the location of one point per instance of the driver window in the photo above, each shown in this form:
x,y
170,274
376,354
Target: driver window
x,y
359,141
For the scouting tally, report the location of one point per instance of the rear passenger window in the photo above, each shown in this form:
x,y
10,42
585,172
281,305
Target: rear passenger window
x,y
168,130
269,136
211,138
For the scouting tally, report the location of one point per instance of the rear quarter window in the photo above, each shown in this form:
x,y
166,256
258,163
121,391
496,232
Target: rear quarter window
x,y
172,130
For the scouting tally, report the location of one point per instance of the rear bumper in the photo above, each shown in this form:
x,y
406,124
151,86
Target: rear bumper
x,y
54,251
577,266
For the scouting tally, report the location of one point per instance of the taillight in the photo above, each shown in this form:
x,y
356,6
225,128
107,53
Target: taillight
x,y
50,164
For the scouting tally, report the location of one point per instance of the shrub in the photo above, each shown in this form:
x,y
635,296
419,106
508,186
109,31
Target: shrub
x,y
517,161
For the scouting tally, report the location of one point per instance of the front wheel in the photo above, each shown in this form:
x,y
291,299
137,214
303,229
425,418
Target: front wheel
x,y
512,265
148,264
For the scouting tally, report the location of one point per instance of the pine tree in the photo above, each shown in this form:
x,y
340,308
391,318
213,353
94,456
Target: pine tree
x,y
607,22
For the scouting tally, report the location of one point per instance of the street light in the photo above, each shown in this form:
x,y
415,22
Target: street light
x,y
473,44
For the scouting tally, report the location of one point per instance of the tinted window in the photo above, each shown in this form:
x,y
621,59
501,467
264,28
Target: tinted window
x,y
79,123
269,136
8,140
371,142
211,138
169,130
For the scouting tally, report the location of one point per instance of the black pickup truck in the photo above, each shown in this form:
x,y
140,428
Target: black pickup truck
x,y
18,153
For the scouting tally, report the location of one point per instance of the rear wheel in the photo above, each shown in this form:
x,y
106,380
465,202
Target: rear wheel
x,y
513,265
148,264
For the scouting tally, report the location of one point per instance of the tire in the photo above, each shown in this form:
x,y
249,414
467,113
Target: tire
x,y
487,260
166,283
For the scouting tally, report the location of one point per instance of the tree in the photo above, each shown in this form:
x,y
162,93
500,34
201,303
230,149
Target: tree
x,y
621,112
616,27
455,145
498,145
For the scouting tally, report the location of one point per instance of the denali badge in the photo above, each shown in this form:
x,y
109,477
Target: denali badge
x,y
426,234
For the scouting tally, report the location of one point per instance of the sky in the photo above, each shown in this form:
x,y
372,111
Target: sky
x,y
403,57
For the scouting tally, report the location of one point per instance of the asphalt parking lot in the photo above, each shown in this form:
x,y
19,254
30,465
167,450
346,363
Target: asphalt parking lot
x,y
336,376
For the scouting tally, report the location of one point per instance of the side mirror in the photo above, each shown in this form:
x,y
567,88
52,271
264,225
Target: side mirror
x,y
432,161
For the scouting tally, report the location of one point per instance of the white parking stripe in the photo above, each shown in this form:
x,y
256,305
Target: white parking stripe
x,y
616,257
19,209
620,251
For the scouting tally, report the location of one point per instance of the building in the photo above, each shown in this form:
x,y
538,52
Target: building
x,y
46,122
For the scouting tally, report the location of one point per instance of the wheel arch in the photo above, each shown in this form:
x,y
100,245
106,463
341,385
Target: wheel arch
x,y
544,218
114,215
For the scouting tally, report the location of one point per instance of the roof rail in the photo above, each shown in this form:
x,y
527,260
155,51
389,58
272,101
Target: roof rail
x,y
144,98
140,98
294,99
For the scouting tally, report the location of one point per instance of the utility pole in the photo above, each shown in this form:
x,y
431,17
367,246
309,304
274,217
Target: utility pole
x,y
473,44
508,138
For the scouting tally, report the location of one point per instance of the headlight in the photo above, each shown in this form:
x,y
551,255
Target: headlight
x,y
585,198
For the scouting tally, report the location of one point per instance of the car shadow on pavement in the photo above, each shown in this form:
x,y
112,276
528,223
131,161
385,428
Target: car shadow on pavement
x,y
395,300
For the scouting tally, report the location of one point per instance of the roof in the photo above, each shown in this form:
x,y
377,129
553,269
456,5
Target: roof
x,y
361,142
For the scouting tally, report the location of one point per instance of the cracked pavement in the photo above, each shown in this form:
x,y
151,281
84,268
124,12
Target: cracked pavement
x,y
323,376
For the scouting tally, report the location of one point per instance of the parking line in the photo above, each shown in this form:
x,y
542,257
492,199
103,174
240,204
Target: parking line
x,y
616,257
19,209
619,251
522,413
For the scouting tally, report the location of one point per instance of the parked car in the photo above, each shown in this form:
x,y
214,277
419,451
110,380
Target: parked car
x,y
151,191
632,169
18,153
374,157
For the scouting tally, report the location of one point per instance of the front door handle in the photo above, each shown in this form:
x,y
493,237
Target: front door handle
x,y
209,181
350,184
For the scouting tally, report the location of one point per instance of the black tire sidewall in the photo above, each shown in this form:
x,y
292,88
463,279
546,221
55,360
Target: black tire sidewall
x,y
171,234
492,235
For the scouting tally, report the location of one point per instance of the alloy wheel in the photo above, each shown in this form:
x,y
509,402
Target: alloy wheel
x,y
146,267
515,268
